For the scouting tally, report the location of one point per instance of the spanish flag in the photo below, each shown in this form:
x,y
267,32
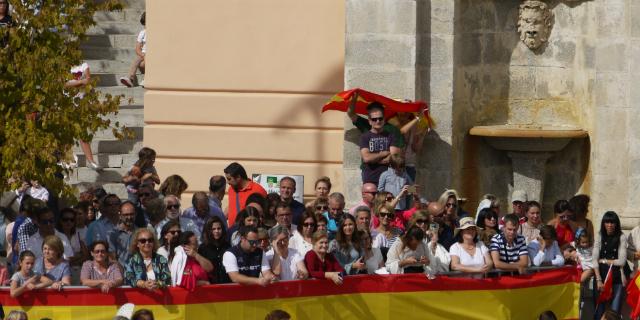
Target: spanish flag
x,y
633,296
342,100
607,290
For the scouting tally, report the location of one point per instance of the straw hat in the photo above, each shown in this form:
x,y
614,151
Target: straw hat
x,y
465,223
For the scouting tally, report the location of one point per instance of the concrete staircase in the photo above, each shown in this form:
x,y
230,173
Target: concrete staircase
x,y
109,50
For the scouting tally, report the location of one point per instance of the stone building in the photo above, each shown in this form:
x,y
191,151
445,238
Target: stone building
x,y
536,94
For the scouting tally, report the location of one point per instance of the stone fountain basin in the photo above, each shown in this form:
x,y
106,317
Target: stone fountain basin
x,y
528,138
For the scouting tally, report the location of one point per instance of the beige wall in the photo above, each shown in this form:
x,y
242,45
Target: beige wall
x,y
244,81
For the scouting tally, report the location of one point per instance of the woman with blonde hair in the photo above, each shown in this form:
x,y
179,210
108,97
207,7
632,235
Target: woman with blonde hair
x,y
146,269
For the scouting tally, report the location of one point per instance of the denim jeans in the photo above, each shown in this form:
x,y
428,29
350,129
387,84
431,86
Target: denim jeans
x,y
616,300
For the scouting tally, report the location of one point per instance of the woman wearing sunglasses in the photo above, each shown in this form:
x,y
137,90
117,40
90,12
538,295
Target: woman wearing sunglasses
x,y
385,235
487,224
146,269
302,240
100,272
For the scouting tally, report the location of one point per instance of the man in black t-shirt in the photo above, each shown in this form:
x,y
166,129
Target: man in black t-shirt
x,y
376,145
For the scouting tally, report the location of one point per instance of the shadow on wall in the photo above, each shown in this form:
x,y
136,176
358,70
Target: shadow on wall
x,y
294,112
488,87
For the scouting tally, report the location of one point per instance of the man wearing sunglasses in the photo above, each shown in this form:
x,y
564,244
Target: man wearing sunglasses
x,y
376,145
45,223
245,263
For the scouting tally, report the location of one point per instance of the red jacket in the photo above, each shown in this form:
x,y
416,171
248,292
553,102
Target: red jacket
x,y
317,268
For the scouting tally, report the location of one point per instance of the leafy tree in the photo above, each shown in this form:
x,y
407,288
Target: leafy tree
x,y
40,118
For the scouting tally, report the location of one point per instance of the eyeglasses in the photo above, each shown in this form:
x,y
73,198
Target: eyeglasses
x,y
309,225
376,119
146,194
46,222
322,207
451,205
68,219
173,206
254,243
421,221
175,232
99,251
145,240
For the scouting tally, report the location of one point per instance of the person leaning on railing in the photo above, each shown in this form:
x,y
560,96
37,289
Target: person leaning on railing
x,y
146,269
509,249
468,254
100,272
52,265
320,263
412,255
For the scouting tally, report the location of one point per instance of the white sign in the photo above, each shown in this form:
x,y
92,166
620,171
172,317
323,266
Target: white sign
x,y
271,183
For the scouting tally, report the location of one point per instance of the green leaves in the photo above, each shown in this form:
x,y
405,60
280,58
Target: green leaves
x,y
40,119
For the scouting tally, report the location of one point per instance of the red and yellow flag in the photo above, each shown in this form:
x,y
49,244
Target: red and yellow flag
x,y
633,296
342,100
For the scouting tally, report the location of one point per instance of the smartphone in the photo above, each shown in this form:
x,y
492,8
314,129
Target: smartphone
x,y
434,227
412,189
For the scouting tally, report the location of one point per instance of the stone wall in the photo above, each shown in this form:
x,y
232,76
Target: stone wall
x,y
466,59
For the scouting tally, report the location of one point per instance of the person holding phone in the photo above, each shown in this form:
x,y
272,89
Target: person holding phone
x,y
412,255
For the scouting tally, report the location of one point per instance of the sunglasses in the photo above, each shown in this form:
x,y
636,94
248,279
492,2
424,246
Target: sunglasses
x,y
322,207
421,221
68,219
175,232
99,251
451,205
387,214
173,206
309,225
145,240
378,119
254,243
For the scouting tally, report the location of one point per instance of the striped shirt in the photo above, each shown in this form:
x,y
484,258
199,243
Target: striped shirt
x,y
509,254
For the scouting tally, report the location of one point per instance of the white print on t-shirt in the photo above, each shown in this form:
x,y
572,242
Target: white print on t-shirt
x,y
377,144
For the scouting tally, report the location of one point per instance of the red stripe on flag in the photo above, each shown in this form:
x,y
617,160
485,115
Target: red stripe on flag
x,y
288,289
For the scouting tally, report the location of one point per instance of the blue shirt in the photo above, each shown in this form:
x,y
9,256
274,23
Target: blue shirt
x,y
99,229
390,181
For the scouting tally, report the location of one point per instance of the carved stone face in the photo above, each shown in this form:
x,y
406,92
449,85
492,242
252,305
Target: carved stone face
x,y
534,23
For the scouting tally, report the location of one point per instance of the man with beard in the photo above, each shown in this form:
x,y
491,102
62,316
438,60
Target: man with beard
x,y
240,188
120,237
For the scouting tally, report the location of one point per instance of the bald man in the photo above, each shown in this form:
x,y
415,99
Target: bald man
x,y
445,231
369,191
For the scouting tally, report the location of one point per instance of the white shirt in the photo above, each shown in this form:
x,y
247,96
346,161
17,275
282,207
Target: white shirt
x,y
474,261
289,266
35,245
230,262
374,262
142,38
302,246
39,193
551,254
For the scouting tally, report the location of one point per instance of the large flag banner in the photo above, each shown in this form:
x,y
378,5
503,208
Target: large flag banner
x,y
342,100
386,297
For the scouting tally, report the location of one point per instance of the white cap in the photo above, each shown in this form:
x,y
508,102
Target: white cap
x,y
519,195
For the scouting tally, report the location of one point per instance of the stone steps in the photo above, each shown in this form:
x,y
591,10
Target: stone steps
x,y
124,41
109,50
136,94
